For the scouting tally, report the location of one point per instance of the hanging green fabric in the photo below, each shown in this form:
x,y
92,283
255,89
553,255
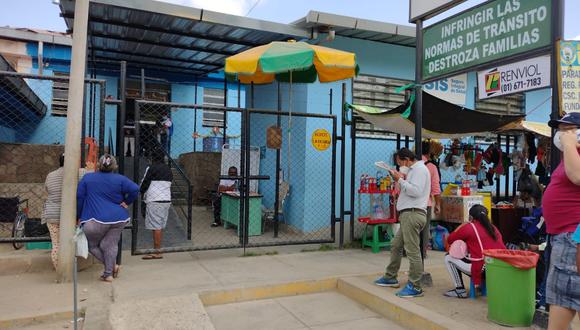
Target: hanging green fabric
x,y
407,112
403,88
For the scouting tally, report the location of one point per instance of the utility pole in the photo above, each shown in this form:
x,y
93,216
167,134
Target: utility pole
x,y
426,279
557,35
418,87
72,149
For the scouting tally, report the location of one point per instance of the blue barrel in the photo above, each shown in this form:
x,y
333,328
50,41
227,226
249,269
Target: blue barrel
x,y
213,143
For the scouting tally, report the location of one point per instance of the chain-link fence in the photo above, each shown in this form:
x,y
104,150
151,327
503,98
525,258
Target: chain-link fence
x,y
368,150
193,171
179,162
301,147
33,113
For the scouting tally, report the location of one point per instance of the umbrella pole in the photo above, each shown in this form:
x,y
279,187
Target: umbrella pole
x,y
289,126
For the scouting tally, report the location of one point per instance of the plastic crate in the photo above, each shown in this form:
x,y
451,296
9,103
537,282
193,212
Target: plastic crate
x,y
38,245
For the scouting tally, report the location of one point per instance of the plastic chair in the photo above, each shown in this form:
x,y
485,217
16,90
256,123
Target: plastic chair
x,y
376,243
472,293
268,214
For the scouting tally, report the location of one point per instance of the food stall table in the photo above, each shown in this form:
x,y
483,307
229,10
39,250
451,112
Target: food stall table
x,y
455,209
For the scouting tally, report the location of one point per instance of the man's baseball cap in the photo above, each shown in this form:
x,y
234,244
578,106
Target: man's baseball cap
x,y
571,118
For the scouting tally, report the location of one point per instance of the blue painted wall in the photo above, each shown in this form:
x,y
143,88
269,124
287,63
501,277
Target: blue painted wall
x,y
266,98
308,207
187,120
377,58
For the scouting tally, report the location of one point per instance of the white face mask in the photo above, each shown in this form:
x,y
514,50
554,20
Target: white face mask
x,y
557,142
404,170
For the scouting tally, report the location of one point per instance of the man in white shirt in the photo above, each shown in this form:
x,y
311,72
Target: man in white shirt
x,y
412,208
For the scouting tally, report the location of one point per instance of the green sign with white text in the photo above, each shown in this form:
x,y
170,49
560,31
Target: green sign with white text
x,y
495,30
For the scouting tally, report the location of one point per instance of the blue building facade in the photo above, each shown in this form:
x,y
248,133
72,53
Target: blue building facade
x,y
307,170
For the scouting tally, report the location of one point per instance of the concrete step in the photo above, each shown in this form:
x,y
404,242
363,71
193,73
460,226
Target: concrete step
x,y
177,312
33,261
403,311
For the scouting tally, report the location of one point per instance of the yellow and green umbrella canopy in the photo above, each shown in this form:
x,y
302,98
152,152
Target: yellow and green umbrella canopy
x,y
302,61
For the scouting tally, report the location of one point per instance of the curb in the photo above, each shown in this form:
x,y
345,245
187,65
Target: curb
x,y
34,262
37,319
221,297
26,263
399,310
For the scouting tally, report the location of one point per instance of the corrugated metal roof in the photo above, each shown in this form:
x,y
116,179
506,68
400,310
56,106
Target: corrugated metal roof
x,y
358,28
154,35
16,96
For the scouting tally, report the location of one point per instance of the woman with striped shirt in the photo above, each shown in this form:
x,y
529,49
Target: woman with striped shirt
x,y
51,212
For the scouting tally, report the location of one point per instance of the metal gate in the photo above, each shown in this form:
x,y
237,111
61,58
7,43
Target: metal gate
x,y
259,212
33,114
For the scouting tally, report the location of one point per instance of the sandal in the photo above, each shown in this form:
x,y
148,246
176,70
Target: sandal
x,y
152,257
116,271
108,279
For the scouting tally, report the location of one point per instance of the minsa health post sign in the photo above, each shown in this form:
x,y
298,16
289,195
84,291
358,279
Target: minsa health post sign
x,y
569,76
486,33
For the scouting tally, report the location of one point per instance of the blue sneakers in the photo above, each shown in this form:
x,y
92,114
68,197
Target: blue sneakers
x,y
409,291
387,282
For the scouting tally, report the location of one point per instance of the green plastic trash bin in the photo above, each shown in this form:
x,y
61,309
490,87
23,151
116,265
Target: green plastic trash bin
x,y
511,291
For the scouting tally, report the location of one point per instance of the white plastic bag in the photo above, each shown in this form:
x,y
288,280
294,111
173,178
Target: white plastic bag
x,y
82,245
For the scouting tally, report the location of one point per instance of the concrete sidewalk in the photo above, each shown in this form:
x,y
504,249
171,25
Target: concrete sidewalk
x,y
155,294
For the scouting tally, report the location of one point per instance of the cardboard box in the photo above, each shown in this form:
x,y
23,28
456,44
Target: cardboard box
x,y
456,208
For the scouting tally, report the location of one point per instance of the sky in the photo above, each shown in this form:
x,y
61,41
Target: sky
x,y
43,14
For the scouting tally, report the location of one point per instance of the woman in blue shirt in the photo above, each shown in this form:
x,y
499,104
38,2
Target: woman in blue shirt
x,y
102,199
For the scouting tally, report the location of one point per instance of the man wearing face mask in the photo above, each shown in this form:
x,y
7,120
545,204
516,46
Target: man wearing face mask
x,y
561,207
415,188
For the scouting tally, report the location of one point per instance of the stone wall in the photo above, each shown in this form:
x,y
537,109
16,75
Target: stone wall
x,y
28,163
23,170
34,192
203,170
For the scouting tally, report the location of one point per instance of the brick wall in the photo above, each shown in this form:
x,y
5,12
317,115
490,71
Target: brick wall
x,y
23,170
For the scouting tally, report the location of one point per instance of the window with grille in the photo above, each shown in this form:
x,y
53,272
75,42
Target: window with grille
x,y
213,97
59,94
378,92
514,104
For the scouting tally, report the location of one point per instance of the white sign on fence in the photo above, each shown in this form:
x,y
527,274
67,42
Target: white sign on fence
x,y
452,89
514,78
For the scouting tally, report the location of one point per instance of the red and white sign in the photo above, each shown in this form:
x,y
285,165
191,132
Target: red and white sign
x,y
514,78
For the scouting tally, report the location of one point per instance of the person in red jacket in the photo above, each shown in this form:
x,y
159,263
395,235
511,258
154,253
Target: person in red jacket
x,y
490,239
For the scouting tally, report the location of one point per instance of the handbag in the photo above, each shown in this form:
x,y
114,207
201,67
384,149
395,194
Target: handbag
x,y
458,249
81,243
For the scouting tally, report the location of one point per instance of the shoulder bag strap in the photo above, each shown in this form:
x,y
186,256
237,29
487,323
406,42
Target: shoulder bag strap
x,y
479,240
